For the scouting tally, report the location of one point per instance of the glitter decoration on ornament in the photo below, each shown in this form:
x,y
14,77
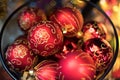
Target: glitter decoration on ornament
x,y
41,36
20,51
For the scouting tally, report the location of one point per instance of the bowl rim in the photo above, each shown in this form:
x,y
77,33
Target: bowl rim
x,y
1,34
88,2
117,43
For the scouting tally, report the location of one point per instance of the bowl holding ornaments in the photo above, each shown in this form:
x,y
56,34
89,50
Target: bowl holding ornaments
x,y
58,40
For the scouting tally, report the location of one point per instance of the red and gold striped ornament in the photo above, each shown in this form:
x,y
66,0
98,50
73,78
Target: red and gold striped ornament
x,y
29,17
45,38
46,70
77,65
69,19
19,57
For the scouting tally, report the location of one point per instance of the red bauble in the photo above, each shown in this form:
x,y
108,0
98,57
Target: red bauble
x,y
19,57
93,29
46,38
77,65
29,17
100,50
70,20
46,70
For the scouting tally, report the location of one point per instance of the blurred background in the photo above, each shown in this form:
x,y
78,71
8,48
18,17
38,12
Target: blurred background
x,y
110,7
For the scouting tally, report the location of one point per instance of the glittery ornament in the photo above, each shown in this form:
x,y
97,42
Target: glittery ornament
x,y
30,16
45,38
100,50
93,29
19,57
46,70
77,65
69,19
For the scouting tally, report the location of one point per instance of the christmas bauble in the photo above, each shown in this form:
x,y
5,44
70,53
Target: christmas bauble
x,y
77,65
46,70
100,50
29,17
93,29
19,57
45,38
69,19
